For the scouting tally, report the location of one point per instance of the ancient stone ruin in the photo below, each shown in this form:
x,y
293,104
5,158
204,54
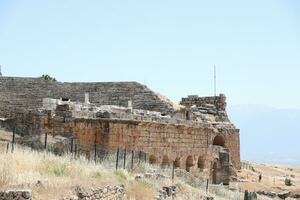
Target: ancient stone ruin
x,y
195,135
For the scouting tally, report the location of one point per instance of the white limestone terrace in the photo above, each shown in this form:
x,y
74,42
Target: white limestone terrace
x,y
192,116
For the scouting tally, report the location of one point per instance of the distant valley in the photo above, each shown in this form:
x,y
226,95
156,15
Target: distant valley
x,y
268,134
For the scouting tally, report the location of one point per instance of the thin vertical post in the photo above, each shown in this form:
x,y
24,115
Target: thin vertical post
x,y
13,138
215,80
46,137
7,147
140,155
95,158
206,186
72,141
12,147
145,157
75,153
124,159
95,153
117,162
132,157
173,171
246,195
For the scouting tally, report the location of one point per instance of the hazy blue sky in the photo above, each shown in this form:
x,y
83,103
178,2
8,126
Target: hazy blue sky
x,y
169,45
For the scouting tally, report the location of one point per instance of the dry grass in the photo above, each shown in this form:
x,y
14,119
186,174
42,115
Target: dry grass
x,y
52,177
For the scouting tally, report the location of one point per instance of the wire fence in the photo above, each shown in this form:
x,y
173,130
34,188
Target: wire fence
x,y
116,159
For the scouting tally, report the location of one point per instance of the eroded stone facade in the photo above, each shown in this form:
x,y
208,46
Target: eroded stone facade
x,y
197,136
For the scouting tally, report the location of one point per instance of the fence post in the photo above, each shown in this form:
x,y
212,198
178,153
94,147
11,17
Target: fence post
x,y
206,186
124,159
140,155
12,147
173,171
117,162
7,147
75,153
72,141
46,137
246,195
13,138
132,157
95,153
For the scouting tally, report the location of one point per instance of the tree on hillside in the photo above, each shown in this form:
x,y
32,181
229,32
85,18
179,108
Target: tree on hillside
x,y
47,77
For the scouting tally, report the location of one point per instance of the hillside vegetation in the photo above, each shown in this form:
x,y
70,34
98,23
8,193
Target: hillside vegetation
x,y
54,177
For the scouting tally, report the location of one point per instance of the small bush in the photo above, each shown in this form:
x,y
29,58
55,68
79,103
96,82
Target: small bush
x,y
120,174
56,168
192,183
96,174
145,183
288,182
48,78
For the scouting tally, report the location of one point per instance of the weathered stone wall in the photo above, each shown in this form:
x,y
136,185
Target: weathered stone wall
x,y
27,93
15,195
219,101
164,143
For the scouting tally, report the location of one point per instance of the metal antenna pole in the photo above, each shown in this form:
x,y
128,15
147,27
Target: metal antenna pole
x,y
215,80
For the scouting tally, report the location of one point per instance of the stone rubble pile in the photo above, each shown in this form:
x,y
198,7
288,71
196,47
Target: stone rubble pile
x,y
166,193
106,193
16,195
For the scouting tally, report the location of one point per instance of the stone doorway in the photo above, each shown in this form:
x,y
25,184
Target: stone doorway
x,y
214,173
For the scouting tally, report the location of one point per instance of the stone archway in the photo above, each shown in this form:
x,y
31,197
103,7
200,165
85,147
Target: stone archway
x,y
219,140
165,162
189,163
152,159
177,163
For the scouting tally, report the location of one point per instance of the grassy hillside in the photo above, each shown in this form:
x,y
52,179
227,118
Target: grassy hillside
x,y
53,177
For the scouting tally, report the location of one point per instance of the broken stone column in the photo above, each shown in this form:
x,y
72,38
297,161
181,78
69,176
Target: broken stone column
x,y
86,98
130,105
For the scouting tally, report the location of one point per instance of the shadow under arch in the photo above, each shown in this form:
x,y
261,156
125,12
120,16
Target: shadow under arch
x,y
165,161
152,159
189,163
219,140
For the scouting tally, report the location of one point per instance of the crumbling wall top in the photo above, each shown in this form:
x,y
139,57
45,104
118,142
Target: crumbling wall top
x,y
217,102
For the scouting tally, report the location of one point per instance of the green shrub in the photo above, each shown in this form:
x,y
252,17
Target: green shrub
x,y
288,182
48,78
56,168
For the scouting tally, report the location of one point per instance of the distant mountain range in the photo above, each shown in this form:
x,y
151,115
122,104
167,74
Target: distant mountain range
x,y
268,134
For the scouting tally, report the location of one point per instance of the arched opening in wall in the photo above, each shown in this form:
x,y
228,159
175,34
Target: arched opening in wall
x,y
152,159
177,163
189,163
165,162
214,173
201,163
219,141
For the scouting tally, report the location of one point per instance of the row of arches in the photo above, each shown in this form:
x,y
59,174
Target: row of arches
x,y
189,162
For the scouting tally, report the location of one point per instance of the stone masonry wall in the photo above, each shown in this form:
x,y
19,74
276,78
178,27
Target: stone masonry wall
x,y
27,93
219,101
163,141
